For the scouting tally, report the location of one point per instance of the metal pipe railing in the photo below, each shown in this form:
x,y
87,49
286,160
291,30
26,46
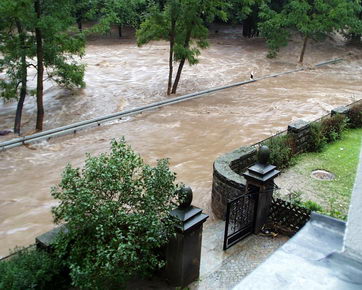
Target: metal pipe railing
x,y
73,128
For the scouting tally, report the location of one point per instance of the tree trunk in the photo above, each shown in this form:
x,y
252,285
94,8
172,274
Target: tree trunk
x,y
78,19
247,28
120,31
182,62
80,25
24,74
170,63
178,76
40,70
303,49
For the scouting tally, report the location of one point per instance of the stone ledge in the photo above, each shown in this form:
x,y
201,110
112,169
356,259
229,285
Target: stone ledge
x,y
340,110
227,179
224,163
297,126
46,240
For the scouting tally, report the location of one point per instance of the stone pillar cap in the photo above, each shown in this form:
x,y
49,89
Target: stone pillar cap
x,y
261,173
189,217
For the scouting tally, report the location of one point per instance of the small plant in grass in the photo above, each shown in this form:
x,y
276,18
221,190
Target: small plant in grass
x,y
117,214
295,197
333,127
280,151
355,116
31,269
335,209
312,205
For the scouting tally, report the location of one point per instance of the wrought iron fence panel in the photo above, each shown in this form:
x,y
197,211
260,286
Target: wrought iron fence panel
x,y
240,218
288,215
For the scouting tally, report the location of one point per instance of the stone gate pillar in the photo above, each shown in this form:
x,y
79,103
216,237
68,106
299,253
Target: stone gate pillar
x,y
183,252
260,178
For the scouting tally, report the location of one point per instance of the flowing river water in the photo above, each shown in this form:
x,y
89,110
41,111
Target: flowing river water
x,y
192,134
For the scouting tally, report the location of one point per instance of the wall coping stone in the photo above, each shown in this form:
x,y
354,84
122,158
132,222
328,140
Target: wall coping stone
x,y
298,125
46,240
340,110
223,163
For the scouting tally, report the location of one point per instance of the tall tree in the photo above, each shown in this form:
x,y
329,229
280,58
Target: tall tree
x,y
39,66
38,29
183,23
56,46
15,47
161,24
312,19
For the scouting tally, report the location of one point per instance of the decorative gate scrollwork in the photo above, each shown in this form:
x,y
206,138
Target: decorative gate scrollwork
x,y
240,218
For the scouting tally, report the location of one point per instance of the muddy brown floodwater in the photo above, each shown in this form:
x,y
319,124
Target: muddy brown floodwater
x,y
192,134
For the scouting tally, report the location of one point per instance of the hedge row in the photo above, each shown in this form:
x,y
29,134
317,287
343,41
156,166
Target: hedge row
x,y
283,149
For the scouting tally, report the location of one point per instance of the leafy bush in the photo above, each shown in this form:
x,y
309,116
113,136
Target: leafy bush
x,y
31,269
316,141
355,116
117,213
280,151
333,127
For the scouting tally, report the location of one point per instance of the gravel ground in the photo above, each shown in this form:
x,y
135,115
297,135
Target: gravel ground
x,y
292,181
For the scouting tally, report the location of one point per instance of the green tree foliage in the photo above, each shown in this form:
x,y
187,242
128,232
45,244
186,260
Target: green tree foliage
x,y
117,213
82,11
125,12
312,19
56,48
116,12
40,29
183,24
15,46
245,12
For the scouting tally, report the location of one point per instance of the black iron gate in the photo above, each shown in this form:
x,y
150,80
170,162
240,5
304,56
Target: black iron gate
x,y
240,218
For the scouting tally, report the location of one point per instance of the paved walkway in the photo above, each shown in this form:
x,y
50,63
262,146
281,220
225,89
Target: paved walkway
x,y
224,269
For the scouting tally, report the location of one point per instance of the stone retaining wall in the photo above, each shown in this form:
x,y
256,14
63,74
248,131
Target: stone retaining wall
x,y
227,180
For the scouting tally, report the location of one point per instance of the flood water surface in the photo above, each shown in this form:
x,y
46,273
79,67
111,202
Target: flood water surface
x,y
192,134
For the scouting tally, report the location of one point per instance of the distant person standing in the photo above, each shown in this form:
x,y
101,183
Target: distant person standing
x,y
252,76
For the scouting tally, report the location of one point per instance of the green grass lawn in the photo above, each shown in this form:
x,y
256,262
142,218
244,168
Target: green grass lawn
x,y
340,158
